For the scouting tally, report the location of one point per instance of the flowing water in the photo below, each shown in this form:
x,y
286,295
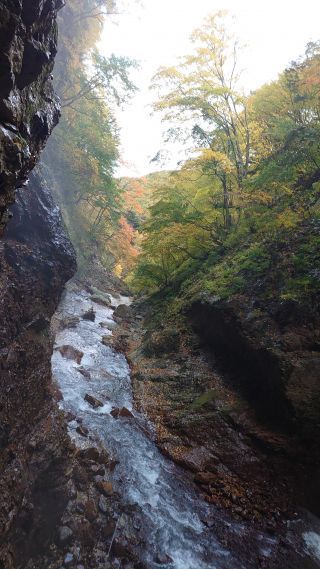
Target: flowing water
x,y
171,514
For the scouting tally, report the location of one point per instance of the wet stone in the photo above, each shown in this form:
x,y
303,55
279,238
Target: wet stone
x,y
93,401
123,311
103,504
70,417
163,559
65,534
89,315
83,431
84,372
90,510
68,560
109,528
107,340
124,412
97,469
80,476
69,322
104,487
70,353
90,453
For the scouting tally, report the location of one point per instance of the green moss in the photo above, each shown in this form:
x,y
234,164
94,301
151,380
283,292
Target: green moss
x,y
204,399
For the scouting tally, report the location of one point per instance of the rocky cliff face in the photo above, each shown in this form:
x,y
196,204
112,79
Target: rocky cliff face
x,y
28,107
36,259
273,351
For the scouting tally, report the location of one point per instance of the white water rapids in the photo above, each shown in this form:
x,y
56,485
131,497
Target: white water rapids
x,y
170,512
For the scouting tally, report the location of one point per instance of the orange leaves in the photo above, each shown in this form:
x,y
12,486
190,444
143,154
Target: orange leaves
x,y
123,248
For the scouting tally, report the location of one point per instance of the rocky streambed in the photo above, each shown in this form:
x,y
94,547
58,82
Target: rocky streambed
x,y
154,515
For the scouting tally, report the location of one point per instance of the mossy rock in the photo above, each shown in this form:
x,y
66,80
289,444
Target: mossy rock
x,y
205,398
102,298
161,342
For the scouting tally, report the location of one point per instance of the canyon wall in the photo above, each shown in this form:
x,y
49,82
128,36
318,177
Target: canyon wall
x,y
36,259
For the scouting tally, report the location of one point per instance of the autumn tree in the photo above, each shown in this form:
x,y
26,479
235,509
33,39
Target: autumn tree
x,y
203,92
83,152
266,148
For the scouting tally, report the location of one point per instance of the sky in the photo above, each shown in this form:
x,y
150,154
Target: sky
x,y
156,33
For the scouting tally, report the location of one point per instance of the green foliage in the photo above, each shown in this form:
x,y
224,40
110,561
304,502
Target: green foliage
x,y
205,399
162,341
243,215
83,151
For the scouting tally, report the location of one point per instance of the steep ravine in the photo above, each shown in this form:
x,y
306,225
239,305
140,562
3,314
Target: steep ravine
x,y
162,520
112,499
36,259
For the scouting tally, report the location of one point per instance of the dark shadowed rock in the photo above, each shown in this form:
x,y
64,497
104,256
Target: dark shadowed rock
x,y
28,107
93,401
103,504
36,260
104,487
90,453
123,412
69,322
90,510
123,311
84,372
83,431
89,315
65,535
163,559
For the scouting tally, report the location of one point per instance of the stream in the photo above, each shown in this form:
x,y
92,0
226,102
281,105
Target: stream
x,y
171,517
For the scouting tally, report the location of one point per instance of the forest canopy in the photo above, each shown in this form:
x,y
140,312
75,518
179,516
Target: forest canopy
x,y
246,205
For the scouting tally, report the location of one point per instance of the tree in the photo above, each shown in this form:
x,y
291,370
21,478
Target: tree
x,y
203,91
83,152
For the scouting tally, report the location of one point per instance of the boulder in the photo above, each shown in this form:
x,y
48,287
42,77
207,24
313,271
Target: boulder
x,y
97,469
83,431
71,353
65,535
90,510
90,453
84,372
103,504
163,559
69,322
89,315
104,487
123,412
101,298
123,311
69,559
93,401
107,340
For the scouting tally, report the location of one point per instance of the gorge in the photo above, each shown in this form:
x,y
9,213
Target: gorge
x,y
149,416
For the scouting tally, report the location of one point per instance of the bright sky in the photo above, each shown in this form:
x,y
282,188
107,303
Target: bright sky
x,y
274,31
